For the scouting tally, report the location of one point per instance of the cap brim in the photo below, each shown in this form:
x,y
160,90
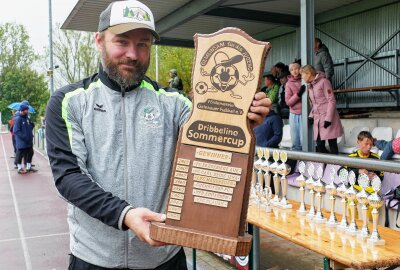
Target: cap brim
x,y
125,27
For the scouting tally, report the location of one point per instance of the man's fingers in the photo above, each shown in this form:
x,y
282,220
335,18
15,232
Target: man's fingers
x,y
153,216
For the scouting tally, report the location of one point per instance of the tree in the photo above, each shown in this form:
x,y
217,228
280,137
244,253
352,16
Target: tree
x,y
75,54
23,84
15,50
172,57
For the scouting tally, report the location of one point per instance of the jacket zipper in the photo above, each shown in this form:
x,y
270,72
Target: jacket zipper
x,y
125,168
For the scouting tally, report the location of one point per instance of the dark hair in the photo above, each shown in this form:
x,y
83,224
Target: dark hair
x,y
270,77
364,134
280,65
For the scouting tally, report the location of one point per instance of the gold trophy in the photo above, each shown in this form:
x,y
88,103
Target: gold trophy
x,y
274,169
376,202
331,189
319,187
362,197
301,180
284,169
310,185
341,190
351,194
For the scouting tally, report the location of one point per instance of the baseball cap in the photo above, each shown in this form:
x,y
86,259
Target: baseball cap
x,y
122,16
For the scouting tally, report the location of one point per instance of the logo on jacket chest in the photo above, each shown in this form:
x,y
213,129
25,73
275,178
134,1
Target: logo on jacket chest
x,y
150,117
99,107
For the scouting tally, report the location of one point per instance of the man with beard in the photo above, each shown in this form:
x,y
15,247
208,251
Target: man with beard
x,y
111,140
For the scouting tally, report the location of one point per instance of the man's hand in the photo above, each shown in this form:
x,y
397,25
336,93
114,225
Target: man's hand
x,y
138,220
259,109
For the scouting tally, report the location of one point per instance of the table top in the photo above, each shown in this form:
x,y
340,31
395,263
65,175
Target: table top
x,y
336,245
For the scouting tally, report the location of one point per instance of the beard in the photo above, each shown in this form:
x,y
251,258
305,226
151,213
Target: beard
x,y
125,78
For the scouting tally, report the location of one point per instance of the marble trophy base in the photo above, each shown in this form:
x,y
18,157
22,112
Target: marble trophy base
x,y
363,233
234,246
352,229
284,204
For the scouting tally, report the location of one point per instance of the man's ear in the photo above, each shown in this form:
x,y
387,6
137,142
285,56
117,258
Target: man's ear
x,y
99,39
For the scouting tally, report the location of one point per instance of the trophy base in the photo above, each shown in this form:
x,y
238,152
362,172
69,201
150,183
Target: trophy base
x,y
375,242
285,206
234,246
352,230
310,216
319,220
302,212
332,224
363,234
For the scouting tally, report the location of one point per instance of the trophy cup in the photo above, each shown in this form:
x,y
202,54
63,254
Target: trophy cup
x,y
319,187
212,169
376,202
310,186
341,190
331,189
274,169
267,196
351,194
301,180
284,170
362,197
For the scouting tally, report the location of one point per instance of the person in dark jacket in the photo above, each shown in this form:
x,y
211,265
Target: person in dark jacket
x,y
269,133
323,60
24,140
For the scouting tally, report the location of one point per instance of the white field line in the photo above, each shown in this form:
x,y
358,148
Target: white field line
x,y
34,237
28,262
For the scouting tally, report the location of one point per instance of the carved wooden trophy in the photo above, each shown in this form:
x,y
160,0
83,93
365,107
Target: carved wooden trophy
x,y
211,174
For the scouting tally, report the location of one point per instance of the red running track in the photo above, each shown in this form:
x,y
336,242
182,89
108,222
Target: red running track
x,y
33,227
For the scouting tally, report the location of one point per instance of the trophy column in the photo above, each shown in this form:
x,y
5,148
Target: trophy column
x,y
284,170
331,189
376,202
341,190
310,186
362,197
274,169
302,183
351,194
319,187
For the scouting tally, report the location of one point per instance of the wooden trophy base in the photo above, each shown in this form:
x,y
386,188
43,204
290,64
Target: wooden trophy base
x,y
239,246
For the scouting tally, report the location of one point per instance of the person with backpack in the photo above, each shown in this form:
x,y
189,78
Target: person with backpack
x,y
175,81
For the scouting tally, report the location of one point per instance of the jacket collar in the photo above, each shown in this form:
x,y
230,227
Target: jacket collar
x,y
110,83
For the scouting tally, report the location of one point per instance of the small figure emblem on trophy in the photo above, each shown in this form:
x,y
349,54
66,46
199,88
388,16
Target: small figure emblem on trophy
x,y
310,185
319,187
376,202
341,190
331,189
301,180
351,194
284,169
362,198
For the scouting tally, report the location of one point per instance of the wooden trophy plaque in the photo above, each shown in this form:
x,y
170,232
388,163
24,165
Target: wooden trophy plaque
x,y
211,174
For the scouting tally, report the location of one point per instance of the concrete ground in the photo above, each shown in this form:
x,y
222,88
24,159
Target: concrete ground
x,y
34,232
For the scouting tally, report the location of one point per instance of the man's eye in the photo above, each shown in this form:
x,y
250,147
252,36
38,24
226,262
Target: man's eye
x,y
143,45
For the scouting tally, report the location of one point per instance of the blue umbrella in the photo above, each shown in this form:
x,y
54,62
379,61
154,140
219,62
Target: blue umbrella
x,y
15,106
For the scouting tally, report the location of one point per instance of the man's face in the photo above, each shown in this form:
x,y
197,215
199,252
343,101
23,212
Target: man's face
x,y
125,57
24,112
365,146
294,70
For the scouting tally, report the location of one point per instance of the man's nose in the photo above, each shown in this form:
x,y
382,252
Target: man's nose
x,y
132,52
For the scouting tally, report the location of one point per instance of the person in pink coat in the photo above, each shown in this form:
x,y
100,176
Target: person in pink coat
x,y
293,93
323,116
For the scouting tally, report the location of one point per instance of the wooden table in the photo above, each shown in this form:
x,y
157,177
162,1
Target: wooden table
x,y
342,250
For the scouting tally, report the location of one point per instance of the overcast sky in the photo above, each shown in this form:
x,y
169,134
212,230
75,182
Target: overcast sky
x,y
34,15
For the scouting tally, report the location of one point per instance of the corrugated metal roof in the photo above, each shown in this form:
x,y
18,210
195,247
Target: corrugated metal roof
x,y
205,16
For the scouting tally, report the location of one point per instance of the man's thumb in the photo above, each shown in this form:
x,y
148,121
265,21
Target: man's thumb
x,y
153,216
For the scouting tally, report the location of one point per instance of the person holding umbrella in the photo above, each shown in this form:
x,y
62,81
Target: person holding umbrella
x,y
24,139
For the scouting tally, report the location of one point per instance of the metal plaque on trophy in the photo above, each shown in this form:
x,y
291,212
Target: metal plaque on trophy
x,y
211,173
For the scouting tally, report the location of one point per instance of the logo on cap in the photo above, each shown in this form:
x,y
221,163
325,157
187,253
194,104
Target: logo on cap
x,y
136,14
